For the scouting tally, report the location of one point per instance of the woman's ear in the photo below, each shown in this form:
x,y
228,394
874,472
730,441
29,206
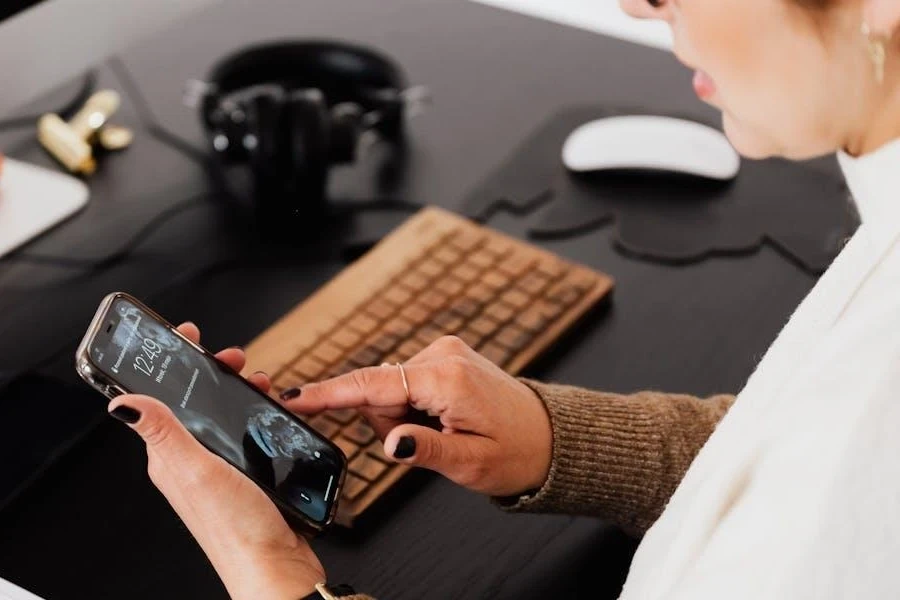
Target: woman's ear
x,y
882,16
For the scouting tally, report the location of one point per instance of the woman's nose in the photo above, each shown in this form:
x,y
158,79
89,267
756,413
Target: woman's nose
x,y
647,9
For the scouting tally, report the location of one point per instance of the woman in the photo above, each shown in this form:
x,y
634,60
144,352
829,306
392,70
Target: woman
x,y
792,495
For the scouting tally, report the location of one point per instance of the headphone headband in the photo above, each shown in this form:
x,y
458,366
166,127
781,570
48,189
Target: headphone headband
x,y
290,110
337,68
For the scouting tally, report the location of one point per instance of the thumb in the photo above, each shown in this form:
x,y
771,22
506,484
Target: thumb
x,y
458,456
164,435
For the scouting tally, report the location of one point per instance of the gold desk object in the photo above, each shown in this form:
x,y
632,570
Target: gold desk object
x,y
72,142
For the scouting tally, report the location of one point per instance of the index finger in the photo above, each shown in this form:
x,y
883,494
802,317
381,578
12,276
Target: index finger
x,y
370,386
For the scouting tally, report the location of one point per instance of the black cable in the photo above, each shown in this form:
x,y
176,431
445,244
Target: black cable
x,y
88,85
96,264
149,120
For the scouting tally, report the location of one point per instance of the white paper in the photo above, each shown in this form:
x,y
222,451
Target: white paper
x,y
9,591
601,16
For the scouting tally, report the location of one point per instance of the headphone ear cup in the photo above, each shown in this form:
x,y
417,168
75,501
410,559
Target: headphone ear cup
x,y
265,142
309,148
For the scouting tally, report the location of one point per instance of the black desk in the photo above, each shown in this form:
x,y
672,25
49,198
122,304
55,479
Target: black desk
x,y
94,528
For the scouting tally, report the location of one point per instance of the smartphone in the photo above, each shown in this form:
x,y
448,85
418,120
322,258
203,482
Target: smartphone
x,y
128,348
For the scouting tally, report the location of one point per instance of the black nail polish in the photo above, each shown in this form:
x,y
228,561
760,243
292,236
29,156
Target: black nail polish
x,y
291,393
406,447
126,414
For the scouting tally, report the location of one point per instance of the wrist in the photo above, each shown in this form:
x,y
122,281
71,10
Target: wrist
x,y
275,580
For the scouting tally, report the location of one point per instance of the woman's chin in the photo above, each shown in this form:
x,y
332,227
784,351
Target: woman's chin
x,y
747,142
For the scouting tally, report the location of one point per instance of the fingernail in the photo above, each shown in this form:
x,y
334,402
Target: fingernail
x,y
406,447
126,414
291,393
241,348
261,373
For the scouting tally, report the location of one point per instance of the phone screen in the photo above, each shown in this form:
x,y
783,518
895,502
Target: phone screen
x,y
235,421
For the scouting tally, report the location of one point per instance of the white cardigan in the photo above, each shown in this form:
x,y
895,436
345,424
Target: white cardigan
x,y
797,493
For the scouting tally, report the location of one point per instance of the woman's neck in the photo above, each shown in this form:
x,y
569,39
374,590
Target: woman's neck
x,y
883,124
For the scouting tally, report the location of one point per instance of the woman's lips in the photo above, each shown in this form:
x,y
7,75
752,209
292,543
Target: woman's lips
x,y
704,85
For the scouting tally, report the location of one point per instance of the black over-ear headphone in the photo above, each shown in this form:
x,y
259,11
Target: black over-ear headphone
x,y
291,110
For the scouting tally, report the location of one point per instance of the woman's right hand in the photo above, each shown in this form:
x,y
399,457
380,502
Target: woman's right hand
x,y
495,439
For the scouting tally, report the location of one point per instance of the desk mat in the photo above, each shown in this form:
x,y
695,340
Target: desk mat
x,y
801,211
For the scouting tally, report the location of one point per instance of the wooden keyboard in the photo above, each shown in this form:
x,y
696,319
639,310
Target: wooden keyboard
x,y
438,274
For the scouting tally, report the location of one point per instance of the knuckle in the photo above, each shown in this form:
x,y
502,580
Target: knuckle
x,y
457,369
473,471
433,451
154,470
452,345
361,379
157,433
200,475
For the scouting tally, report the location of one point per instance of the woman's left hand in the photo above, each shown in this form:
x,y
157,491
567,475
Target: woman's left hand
x,y
255,552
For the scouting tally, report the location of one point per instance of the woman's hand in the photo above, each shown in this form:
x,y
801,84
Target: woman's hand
x,y
246,539
495,438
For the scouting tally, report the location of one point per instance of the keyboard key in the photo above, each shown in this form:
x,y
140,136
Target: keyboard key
x,y
516,298
447,255
516,265
497,246
467,241
481,260
496,354
533,283
563,293
381,309
376,451
465,272
309,367
582,281
471,337
430,268
410,348
328,353
398,296
365,357
548,310
325,426
342,415
429,334
416,314
346,338
363,323
484,326
480,293
499,312
433,299
532,319
400,328
366,467
495,280
354,487
347,447
450,286
551,268
382,342
466,308
288,379
449,322
513,337
359,432
414,281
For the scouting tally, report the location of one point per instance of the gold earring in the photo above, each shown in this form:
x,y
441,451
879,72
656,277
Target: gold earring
x,y
875,44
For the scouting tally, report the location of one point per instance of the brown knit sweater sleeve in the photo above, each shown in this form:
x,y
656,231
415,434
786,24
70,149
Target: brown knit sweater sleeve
x,y
619,457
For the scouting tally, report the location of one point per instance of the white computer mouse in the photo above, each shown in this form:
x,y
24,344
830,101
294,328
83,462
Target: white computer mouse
x,y
651,143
